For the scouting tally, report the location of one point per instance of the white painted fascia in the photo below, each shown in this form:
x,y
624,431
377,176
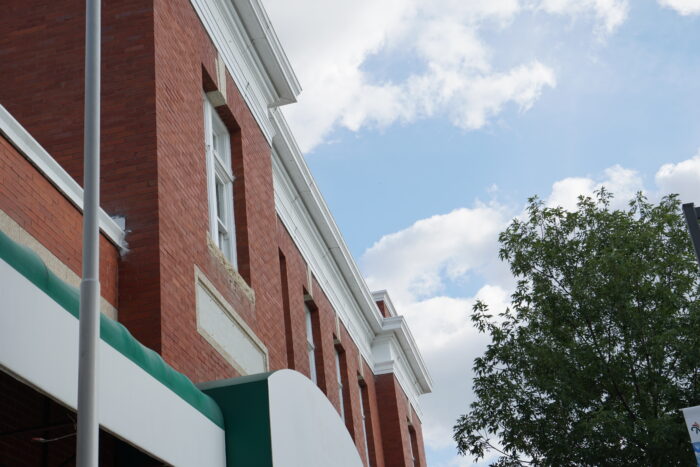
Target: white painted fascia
x,y
257,64
54,173
268,47
290,208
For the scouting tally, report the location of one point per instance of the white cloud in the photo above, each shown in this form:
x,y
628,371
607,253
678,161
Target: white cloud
x,y
449,345
622,183
683,7
609,13
682,178
419,263
454,77
416,262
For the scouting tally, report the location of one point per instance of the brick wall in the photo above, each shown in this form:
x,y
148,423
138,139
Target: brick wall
x,y
31,201
185,63
41,85
326,338
394,411
157,61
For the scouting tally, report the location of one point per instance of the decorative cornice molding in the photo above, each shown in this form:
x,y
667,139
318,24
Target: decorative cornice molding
x,y
397,326
305,214
54,173
270,51
243,35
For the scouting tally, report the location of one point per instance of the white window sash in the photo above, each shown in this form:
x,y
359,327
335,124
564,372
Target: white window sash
x,y
339,377
219,167
310,347
364,424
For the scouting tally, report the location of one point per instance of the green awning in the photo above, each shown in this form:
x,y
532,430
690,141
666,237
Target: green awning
x,y
28,263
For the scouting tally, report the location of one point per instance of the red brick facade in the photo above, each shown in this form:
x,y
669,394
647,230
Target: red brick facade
x,y
157,62
45,214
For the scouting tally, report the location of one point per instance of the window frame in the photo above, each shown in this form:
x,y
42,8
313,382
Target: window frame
x,y
362,389
217,141
339,379
310,344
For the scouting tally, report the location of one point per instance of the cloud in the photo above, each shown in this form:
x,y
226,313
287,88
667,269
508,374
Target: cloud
x,y
623,183
418,261
425,266
416,264
682,178
683,7
610,14
448,72
449,345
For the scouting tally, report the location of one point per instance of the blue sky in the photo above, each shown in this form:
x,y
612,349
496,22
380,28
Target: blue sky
x,y
428,124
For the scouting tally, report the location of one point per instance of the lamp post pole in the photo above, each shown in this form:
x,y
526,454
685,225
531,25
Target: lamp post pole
x,y
87,449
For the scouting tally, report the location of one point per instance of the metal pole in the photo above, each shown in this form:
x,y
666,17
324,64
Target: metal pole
x,y
691,218
87,450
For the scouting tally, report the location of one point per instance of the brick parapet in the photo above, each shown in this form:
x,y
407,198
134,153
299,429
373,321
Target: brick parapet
x,y
44,213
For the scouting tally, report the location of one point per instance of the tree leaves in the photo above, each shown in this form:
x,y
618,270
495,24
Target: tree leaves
x,y
599,350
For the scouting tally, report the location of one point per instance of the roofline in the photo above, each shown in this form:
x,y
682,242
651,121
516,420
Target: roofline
x,y
397,326
300,175
269,49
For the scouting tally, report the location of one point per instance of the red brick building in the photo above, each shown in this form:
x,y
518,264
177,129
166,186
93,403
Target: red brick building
x,y
217,252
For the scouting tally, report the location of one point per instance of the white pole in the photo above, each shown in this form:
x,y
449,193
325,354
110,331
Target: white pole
x,y
87,450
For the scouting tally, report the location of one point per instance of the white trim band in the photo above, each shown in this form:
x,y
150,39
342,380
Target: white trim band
x,y
54,173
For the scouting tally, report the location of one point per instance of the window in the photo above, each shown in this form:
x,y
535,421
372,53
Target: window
x,y
413,445
364,421
310,347
339,377
219,182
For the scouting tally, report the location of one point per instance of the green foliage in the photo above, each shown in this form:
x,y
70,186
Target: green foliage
x,y
600,348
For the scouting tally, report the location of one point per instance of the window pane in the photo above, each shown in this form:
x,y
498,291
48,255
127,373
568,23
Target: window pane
x,y
220,200
364,423
340,384
222,242
220,183
310,348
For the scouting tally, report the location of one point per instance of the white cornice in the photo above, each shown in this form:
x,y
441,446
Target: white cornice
x,y
397,326
269,49
390,358
54,173
252,54
305,214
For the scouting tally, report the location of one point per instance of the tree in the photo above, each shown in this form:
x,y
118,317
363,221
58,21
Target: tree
x,y
600,347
